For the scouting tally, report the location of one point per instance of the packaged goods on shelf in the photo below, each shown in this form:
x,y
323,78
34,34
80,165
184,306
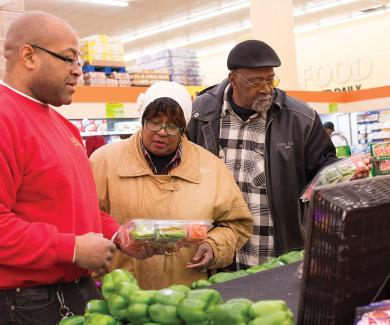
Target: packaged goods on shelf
x,y
373,126
139,77
182,65
381,155
101,48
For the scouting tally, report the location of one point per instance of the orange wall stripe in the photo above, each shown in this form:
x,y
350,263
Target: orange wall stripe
x,y
91,94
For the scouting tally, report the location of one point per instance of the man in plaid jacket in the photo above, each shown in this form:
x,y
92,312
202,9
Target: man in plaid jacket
x,y
273,144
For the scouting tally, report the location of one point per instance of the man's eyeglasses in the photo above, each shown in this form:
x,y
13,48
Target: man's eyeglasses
x,y
170,129
260,84
73,63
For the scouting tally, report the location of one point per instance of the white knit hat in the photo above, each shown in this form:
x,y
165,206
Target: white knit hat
x,y
168,89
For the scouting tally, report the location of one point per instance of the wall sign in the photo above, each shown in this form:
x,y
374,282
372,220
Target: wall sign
x,y
115,110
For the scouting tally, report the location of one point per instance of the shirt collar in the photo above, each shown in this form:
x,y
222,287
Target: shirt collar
x,y
21,94
175,161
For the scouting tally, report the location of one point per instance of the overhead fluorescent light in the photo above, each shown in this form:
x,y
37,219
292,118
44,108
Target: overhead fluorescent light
x,y
117,3
320,6
342,19
173,24
195,39
215,49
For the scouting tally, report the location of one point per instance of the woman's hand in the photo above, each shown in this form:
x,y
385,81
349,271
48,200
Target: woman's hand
x,y
202,258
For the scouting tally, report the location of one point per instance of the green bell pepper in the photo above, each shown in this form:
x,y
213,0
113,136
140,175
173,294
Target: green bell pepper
x,y
291,257
180,287
99,319
266,307
164,314
201,284
96,306
222,277
272,263
111,281
233,312
164,311
75,320
169,297
195,308
119,300
256,269
210,296
139,301
277,318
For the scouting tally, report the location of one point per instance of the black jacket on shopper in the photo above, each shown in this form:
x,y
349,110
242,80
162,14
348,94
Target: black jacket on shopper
x,y
297,147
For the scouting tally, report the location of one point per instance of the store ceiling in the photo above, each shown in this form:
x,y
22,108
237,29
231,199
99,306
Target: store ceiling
x,y
89,19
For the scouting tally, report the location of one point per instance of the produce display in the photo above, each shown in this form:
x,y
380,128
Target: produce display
x,y
168,232
287,258
340,171
126,304
381,155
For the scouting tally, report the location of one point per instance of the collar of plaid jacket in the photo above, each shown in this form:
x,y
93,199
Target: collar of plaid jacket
x,y
174,162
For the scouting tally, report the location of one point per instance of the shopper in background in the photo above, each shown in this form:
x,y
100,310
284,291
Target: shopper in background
x,y
272,143
338,139
92,143
159,174
52,233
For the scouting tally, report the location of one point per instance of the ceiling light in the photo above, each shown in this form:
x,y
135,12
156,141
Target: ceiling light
x,y
342,19
215,49
196,39
319,7
117,3
173,24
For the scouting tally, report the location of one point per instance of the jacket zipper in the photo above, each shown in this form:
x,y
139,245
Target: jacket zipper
x,y
268,183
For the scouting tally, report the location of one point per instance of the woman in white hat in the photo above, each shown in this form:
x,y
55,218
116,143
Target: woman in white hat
x,y
158,174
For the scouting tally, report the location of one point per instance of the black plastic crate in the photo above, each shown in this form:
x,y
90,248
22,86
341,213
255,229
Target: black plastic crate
x,y
347,250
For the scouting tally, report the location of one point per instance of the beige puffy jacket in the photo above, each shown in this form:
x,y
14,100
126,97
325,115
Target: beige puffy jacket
x,y
200,188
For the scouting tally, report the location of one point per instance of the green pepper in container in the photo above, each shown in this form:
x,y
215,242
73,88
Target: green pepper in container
x,y
276,318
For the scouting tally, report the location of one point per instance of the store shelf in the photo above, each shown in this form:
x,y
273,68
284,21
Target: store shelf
x,y
92,133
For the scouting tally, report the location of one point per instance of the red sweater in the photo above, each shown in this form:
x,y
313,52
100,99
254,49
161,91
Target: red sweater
x,y
47,194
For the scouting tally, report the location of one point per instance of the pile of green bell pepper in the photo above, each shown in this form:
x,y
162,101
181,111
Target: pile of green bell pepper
x,y
164,310
195,308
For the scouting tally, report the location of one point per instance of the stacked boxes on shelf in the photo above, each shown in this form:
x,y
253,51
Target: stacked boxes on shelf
x,y
140,77
9,11
181,63
98,49
104,62
373,126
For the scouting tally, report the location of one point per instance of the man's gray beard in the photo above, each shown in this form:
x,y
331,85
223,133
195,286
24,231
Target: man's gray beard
x,y
262,104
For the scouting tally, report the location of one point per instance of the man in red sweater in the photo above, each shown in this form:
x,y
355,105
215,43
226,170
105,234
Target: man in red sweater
x,y
52,233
